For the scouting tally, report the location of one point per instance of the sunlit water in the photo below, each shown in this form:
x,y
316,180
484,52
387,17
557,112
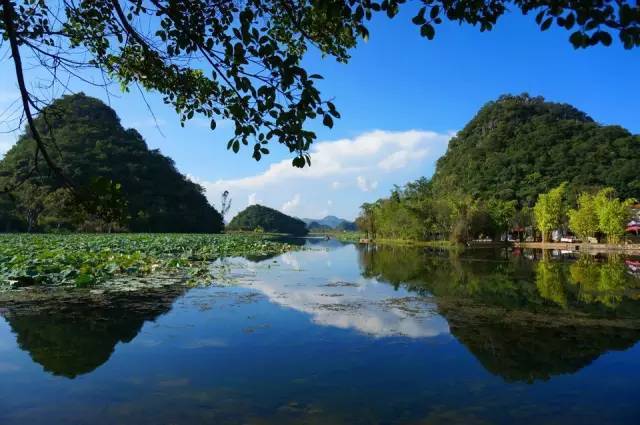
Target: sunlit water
x,y
340,334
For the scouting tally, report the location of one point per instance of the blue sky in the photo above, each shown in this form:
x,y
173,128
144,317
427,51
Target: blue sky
x,y
401,98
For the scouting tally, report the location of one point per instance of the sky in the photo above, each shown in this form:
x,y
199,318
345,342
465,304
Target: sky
x,y
401,97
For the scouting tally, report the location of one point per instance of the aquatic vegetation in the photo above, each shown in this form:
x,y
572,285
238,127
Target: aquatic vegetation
x,y
83,259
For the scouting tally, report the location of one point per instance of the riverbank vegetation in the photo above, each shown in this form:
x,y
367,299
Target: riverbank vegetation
x,y
597,215
82,259
518,166
116,182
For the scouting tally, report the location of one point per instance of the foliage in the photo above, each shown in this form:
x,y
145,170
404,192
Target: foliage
x,y
87,259
243,61
268,220
550,210
122,182
583,221
520,146
502,214
348,236
612,214
495,170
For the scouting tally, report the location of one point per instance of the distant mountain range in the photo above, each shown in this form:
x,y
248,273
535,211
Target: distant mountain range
x,y
329,222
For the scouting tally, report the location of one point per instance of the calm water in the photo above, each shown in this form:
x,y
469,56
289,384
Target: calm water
x,y
339,334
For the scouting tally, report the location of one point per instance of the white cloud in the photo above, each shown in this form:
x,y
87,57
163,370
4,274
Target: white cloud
x,y
341,299
252,199
291,205
360,166
365,185
401,158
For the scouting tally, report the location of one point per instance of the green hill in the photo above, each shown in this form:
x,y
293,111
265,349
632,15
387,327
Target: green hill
x,y
314,226
519,146
94,151
514,149
267,219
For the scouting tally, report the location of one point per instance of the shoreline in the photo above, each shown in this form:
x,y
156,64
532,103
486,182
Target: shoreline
x,y
581,246
565,246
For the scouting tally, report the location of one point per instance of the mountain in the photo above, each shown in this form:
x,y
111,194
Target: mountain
x,y
493,171
328,223
519,146
314,226
138,188
268,220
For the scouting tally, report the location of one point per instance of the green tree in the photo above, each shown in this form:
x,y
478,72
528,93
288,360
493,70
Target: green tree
x,y
524,219
366,220
108,203
503,214
583,221
613,214
30,202
61,211
9,220
251,69
550,210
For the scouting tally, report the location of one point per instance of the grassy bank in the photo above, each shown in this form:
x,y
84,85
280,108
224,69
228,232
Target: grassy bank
x,y
407,242
86,259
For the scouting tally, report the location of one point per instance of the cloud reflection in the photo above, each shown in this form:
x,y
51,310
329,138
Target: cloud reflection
x,y
337,296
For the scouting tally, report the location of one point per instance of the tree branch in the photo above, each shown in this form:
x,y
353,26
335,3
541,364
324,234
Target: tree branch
x,y
8,13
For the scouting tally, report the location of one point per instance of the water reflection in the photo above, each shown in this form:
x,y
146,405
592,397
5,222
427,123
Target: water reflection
x,y
72,337
326,285
338,335
523,320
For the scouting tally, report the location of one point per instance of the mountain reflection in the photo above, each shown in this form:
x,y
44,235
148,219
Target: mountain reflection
x,y
73,337
524,320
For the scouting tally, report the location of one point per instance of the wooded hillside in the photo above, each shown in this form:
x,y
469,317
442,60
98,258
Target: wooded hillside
x,y
129,186
258,217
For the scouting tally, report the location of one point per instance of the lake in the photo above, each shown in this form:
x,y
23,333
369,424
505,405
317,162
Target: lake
x,y
338,334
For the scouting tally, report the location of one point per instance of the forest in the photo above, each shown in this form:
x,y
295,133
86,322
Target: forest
x,y
115,182
493,173
258,218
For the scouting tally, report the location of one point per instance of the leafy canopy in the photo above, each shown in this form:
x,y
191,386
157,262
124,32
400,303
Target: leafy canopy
x,y
613,214
132,187
242,61
550,210
520,146
494,170
583,221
